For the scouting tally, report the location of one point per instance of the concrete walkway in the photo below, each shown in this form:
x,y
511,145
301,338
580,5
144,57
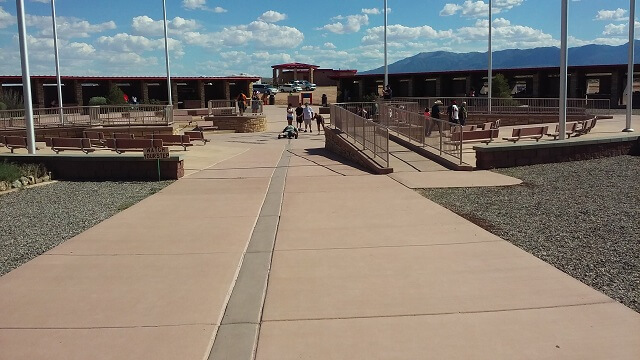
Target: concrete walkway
x,y
275,249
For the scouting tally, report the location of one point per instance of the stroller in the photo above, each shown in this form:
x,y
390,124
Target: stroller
x,y
289,132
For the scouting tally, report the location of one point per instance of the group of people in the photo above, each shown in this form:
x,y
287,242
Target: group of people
x,y
454,113
303,115
255,102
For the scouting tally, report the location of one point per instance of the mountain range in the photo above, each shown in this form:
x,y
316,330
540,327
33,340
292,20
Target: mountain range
x,y
510,59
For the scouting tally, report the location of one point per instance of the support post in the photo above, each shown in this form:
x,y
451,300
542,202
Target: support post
x,y
55,49
490,51
166,51
386,63
632,16
563,69
26,78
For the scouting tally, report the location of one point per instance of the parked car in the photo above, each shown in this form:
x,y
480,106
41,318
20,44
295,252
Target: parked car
x,y
305,85
290,88
265,89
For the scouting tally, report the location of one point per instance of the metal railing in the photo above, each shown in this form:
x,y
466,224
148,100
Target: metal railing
x,y
515,105
90,116
231,107
422,131
364,132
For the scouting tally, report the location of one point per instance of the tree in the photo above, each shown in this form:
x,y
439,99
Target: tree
x,y
116,96
500,87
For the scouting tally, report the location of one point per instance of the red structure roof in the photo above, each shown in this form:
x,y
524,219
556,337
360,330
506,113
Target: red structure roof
x,y
295,65
131,78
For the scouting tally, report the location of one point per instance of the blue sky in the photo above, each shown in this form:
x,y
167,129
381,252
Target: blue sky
x,y
220,38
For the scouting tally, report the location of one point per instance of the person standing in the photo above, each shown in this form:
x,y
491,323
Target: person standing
x,y
299,111
463,113
435,114
455,112
307,114
290,114
242,103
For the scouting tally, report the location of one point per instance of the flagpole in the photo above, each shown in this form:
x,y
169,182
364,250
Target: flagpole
x,y
563,69
490,74
632,17
26,78
55,47
166,51
386,64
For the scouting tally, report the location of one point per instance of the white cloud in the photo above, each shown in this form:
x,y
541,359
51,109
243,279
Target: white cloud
x,y
146,26
347,24
505,35
68,27
612,15
6,19
329,45
374,11
126,43
478,8
450,9
402,33
272,16
201,5
613,29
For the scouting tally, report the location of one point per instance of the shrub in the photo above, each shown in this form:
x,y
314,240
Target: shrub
x,y
154,102
97,100
500,87
3,106
116,96
11,172
11,99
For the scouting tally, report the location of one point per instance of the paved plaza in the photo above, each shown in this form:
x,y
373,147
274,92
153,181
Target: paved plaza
x,y
276,249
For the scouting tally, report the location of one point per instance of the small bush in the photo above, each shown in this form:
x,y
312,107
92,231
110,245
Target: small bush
x,y
3,106
500,87
116,96
97,100
12,99
11,172
154,102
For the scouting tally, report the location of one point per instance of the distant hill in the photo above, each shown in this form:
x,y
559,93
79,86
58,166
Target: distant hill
x,y
510,59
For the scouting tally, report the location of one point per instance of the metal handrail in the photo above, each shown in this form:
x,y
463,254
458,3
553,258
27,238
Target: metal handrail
x,y
419,130
515,105
358,126
90,116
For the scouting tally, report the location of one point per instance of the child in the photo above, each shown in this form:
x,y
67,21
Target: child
x,y
289,132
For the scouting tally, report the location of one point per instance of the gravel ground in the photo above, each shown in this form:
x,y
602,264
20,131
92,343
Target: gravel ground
x,y
582,217
35,220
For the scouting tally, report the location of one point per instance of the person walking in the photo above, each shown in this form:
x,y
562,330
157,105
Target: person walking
x,y
242,103
290,111
455,112
435,114
463,113
307,114
299,111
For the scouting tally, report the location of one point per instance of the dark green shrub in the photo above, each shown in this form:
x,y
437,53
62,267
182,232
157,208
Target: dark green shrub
x,y
97,100
11,99
500,87
3,106
116,96
9,172
154,102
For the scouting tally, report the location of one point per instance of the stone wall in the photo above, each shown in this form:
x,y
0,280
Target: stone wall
x,y
339,146
239,124
511,155
104,168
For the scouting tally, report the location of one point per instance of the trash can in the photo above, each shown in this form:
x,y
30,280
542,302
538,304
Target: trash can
x,y
324,100
272,99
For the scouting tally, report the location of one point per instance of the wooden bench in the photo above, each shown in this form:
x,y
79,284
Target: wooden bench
x,y
173,140
123,145
15,142
95,137
463,127
483,136
123,136
58,144
197,136
586,127
570,130
535,132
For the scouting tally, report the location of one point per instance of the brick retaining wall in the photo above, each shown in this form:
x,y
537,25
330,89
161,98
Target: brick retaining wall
x,y
511,155
239,124
104,167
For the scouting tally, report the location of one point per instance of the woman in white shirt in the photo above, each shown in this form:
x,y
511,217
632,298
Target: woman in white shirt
x,y
290,114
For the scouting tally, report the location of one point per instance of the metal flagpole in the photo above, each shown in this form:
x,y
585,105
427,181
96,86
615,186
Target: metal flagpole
x,y
166,51
55,48
490,75
563,69
632,18
26,78
386,64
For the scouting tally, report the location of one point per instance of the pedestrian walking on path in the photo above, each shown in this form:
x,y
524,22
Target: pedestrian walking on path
x,y
307,115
